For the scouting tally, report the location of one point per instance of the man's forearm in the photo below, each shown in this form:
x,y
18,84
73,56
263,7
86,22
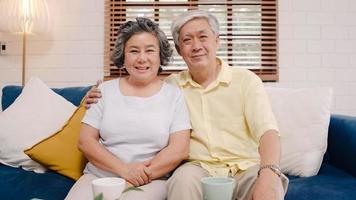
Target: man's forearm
x,y
270,148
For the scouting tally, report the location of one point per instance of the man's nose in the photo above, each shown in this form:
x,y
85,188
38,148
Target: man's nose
x,y
197,45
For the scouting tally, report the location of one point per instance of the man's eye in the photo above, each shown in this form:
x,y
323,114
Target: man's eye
x,y
133,51
186,40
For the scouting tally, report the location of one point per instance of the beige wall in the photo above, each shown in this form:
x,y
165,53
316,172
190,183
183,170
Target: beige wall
x,y
71,54
317,47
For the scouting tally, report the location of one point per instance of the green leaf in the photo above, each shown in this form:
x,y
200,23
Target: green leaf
x,y
132,188
99,197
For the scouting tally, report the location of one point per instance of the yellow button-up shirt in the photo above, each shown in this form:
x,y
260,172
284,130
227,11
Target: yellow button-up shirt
x,y
228,119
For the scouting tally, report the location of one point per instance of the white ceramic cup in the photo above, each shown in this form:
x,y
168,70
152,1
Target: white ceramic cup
x,y
217,188
111,188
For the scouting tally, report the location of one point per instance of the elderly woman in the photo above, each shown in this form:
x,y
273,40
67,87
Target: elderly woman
x,y
139,130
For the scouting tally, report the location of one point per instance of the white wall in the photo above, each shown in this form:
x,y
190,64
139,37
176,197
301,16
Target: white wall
x,y
317,47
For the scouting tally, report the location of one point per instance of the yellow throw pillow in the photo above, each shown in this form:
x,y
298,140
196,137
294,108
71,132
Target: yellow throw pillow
x,y
59,152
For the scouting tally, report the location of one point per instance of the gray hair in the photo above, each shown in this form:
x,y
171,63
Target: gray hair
x,y
185,17
130,28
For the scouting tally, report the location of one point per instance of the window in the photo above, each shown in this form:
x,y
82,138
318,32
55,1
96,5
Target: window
x,y
248,30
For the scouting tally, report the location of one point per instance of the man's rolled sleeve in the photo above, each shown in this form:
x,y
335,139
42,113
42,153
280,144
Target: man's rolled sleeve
x,y
258,111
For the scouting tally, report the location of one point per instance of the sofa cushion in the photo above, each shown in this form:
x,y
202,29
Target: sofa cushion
x,y
60,152
16,183
330,183
36,114
303,118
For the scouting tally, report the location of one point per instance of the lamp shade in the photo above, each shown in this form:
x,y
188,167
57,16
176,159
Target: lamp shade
x,y
29,16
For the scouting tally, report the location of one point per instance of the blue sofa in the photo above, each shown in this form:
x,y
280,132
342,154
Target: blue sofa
x,y
335,180
18,184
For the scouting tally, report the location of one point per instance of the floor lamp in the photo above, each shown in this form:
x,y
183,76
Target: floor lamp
x,y
25,17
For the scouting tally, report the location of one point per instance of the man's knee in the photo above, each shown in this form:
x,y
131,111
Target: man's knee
x,y
185,183
180,178
186,175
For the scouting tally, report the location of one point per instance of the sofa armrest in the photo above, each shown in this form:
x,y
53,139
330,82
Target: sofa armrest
x,y
342,143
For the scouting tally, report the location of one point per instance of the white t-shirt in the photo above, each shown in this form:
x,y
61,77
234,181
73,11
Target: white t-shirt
x,y
136,128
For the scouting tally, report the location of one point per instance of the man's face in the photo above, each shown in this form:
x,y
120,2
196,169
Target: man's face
x,y
198,44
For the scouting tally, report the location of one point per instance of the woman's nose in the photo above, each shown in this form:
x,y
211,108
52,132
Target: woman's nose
x,y
142,57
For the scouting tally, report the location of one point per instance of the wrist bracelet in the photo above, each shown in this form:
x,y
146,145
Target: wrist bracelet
x,y
274,168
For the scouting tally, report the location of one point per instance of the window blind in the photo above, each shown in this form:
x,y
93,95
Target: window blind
x,y
248,30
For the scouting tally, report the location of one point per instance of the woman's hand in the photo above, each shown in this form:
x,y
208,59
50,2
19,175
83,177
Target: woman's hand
x,y
137,173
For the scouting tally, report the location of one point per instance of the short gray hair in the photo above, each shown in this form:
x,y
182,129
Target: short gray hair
x,y
128,29
186,17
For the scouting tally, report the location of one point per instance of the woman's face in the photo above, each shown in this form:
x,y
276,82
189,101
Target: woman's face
x,y
142,56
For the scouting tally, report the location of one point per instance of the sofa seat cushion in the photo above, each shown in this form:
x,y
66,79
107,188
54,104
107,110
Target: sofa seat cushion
x,y
16,183
330,183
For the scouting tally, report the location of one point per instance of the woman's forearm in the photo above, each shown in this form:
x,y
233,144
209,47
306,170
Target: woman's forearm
x,y
100,157
97,154
171,156
164,162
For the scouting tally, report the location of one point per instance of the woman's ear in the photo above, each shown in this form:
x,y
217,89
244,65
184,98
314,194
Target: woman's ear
x,y
177,48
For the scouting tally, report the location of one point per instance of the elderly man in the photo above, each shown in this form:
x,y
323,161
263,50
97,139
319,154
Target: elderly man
x,y
234,132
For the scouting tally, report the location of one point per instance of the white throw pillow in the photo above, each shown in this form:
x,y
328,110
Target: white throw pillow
x,y
303,117
37,113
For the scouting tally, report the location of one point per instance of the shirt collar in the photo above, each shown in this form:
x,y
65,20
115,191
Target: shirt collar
x,y
224,75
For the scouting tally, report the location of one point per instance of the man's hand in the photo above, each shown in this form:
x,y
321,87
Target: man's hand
x,y
137,173
268,186
93,95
